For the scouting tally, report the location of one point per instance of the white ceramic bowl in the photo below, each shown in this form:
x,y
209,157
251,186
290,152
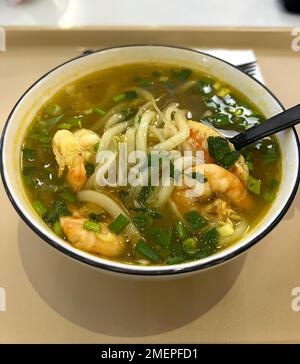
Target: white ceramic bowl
x,y
26,108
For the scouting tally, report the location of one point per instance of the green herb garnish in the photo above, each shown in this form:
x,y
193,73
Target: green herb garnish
x,y
219,149
99,111
181,75
92,226
254,185
39,207
57,210
190,246
89,168
180,230
118,224
195,221
208,244
144,249
68,196
125,96
143,82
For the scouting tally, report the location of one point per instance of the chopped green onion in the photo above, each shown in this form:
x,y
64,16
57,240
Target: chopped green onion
x,y
142,219
57,228
182,75
99,111
53,109
68,196
174,260
164,238
221,121
64,126
75,122
142,82
190,246
92,226
180,230
196,222
144,249
53,121
250,165
254,185
238,112
159,236
128,95
39,207
239,122
119,97
268,196
44,139
118,224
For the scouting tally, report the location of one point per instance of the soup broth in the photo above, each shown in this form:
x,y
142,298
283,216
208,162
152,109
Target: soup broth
x,y
148,108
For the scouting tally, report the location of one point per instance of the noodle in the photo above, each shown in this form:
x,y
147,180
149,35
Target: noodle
x,y
109,134
130,136
182,134
142,132
114,119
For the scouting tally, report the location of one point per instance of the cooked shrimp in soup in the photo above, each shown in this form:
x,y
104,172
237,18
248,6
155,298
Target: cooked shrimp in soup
x,y
206,195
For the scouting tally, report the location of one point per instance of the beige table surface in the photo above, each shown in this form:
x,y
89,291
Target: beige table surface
x,y
51,298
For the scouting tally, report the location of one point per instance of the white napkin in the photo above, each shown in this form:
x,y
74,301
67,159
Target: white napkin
x,y
236,57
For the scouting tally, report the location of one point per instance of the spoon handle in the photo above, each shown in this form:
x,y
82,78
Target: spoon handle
x,y
284,120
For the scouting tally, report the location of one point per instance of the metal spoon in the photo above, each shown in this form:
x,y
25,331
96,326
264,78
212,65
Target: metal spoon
x,y
284,120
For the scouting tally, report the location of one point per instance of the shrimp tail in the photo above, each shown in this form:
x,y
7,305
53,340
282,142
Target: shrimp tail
x,y
77,174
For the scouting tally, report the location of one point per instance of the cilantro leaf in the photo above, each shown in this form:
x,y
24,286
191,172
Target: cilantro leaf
x,y
57,210
219,149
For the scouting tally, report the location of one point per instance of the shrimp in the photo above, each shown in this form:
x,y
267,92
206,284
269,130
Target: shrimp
x,y
199,134
219,210
72,150
104,243
220,182
87,140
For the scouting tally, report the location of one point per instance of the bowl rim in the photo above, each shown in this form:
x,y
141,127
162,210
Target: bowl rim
x,y
172,270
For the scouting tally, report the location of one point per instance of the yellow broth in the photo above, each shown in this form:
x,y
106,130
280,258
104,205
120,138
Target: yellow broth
x,y
83,105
